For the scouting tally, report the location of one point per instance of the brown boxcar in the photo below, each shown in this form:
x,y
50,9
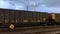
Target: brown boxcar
x,y
57,18
21,17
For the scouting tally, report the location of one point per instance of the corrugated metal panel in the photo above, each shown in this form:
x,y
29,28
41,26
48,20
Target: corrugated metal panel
x,y
6,16
44,16
22,17
12,16
2,16
57,18
17,17
30,16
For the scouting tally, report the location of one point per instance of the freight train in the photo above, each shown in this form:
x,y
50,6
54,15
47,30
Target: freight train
x,y
22,18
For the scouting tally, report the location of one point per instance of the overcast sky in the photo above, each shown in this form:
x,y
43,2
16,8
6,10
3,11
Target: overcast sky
x,y
39,5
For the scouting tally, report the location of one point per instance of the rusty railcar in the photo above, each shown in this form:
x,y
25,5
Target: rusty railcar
x,y
21,17
55,17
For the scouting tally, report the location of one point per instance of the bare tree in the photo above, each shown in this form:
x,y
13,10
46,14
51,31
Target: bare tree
x,y
27,4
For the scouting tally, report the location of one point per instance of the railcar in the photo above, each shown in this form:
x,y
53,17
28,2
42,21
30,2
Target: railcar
x,y
22,18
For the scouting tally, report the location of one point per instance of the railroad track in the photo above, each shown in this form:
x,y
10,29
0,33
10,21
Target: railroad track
x,y
32,30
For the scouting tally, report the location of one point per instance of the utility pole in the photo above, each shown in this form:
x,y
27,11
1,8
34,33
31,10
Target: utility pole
x,y
26,3
34,5
27,8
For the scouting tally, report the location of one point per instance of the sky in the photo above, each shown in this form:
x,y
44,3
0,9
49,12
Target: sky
x,y
33,5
